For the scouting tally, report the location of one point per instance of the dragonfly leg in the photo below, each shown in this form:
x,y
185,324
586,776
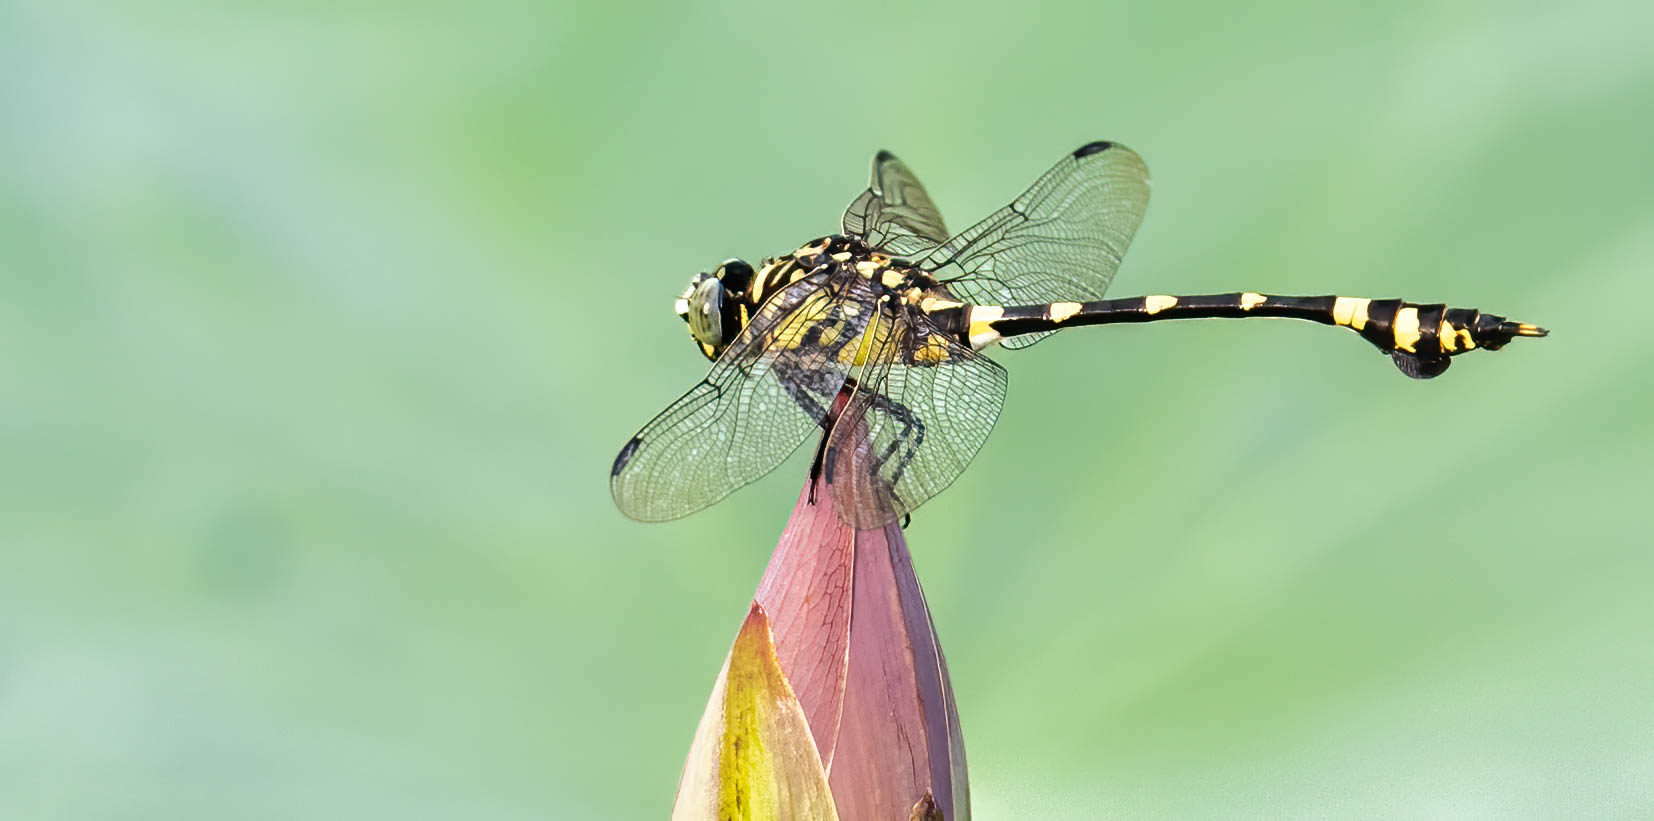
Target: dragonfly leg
x,y
907,441
802,386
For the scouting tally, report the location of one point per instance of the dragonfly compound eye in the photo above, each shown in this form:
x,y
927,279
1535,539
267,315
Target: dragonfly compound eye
x,y
705,314
736,276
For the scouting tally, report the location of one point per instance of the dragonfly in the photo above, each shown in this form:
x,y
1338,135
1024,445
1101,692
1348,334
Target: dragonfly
x,y
875,338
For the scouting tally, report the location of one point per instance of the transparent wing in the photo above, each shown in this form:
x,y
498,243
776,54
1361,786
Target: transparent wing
x,y
1062,240
921,409
760,400
895,214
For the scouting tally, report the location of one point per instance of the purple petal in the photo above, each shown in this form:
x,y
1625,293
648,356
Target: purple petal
x,y
856,642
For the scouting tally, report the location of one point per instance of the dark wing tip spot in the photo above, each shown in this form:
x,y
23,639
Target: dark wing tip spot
x,y
625,456
1092,148
883,156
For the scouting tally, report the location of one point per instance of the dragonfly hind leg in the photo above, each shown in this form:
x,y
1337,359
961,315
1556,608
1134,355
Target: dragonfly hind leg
x,y
902,447
908,440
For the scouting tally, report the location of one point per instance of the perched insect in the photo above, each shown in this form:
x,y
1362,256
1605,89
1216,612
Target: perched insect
x,y
875,337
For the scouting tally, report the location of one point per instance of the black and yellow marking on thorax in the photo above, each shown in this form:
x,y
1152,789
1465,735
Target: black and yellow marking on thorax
x,y
896,288
777,273
903,282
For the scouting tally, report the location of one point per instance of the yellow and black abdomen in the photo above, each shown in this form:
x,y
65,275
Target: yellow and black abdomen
x,y
1421,338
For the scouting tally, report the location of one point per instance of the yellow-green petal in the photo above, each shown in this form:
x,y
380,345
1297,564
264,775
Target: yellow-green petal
x,y
753,756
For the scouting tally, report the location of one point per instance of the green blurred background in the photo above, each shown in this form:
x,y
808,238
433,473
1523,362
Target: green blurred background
x,y
321,324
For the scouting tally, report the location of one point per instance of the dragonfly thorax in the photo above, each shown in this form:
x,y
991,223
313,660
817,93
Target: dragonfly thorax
x,y
718,305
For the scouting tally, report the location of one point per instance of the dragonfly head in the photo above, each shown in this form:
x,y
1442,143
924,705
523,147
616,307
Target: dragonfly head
x,y
710,306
